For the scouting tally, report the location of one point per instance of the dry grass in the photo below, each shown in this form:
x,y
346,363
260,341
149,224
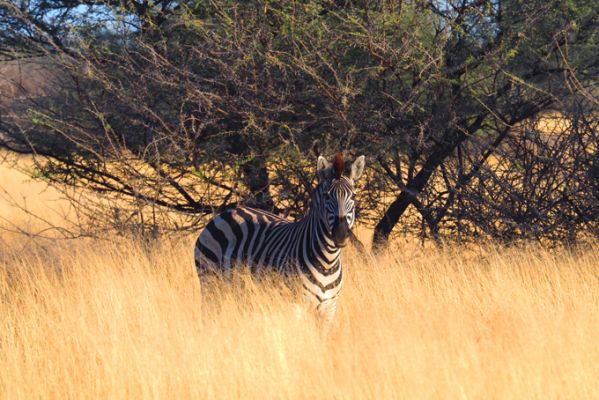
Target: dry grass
x,y
45,206
117,320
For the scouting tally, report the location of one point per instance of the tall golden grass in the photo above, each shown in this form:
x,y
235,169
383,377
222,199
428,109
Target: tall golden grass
x,y
118,319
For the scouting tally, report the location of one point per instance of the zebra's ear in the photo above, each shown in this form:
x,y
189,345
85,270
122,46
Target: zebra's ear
x,y
357,168
323,168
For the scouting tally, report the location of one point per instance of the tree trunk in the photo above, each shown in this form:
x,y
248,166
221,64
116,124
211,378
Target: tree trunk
x,y
255,178
439,153
383,228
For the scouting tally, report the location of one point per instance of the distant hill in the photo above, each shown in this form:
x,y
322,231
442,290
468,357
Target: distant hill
x,y
24,78
20,81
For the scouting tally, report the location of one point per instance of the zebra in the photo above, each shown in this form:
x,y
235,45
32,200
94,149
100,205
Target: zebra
x,y
308,249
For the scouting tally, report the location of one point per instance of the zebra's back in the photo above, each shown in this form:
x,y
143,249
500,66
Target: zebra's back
x,y
240,236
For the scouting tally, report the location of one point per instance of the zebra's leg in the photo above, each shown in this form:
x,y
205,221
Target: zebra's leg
x,y
207,277
210,274
326,312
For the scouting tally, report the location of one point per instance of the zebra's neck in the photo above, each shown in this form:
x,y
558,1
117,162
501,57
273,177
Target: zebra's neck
x,y
319,245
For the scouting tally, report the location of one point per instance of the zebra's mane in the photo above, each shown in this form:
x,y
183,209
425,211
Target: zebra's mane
x,y
338,165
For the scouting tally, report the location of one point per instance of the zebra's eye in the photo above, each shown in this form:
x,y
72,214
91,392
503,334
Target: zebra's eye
x,y
353,196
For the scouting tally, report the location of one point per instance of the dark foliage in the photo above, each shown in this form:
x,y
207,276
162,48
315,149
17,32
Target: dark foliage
x,y
195,106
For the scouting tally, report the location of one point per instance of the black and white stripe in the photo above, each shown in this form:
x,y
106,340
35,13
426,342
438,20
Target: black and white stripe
x,y
308,249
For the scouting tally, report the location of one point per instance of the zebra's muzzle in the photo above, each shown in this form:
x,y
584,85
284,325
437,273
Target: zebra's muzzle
x,y
340,232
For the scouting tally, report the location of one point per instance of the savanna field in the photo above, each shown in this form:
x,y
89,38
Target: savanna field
x,y
119,319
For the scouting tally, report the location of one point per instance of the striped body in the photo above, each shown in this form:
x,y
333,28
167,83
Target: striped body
x,y
308,250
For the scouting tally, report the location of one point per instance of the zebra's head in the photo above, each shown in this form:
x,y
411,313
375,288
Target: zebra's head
x,y
336,194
